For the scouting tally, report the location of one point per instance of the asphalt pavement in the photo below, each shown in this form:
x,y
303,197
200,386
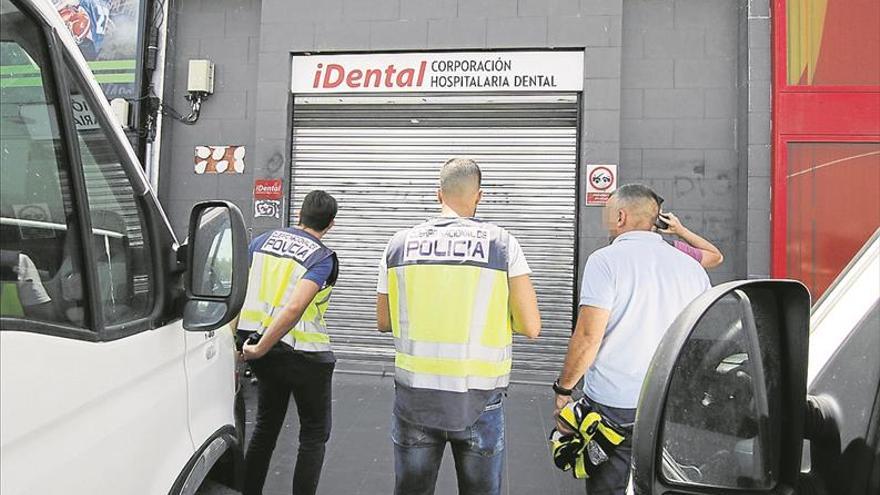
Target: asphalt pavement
x,y
359,459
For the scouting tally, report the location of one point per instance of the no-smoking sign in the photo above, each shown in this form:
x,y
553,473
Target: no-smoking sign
x,y
601,182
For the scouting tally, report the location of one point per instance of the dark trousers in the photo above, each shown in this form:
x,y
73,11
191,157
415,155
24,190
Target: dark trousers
x,y
280,373
612,477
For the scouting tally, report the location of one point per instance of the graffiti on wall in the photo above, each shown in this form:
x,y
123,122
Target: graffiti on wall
x,y
267,208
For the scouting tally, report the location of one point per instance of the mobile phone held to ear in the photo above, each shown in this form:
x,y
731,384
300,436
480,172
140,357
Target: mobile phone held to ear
x,y
661,222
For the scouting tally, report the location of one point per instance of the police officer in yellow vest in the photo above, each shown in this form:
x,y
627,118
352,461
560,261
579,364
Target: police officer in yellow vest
x,y
292,274
451,290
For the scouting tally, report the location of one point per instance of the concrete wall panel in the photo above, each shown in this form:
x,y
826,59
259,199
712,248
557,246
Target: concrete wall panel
x,y
681,107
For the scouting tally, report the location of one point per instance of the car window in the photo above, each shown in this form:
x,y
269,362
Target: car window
x,y
118,226
40,250
721,414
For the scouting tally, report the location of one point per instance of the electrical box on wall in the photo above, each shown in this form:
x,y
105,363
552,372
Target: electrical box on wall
x,y
201,77
121,108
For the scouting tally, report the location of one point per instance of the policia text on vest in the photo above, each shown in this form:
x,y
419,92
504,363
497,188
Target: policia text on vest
x,y
291,277
452,290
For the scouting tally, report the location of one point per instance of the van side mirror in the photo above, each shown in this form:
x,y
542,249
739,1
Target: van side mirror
x,y
217,266
722,406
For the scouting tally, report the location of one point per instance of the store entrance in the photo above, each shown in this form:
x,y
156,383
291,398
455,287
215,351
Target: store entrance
x,y
380,157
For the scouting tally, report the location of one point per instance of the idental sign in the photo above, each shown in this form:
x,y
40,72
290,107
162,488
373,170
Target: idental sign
x,y
267,189
439,72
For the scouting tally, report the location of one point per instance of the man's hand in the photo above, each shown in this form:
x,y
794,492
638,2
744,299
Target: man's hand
x,y
561,402
253,351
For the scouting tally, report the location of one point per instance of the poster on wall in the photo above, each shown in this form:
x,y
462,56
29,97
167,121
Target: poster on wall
x,y
106,32
218,159
267,198
601,182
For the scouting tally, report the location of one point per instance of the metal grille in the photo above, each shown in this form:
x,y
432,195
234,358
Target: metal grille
x,y
382,162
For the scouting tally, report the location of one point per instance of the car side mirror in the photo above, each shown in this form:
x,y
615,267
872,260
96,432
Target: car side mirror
x,y
217,266
722,406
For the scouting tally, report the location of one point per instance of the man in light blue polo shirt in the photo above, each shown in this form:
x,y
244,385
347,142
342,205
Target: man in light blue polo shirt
x,y
631,292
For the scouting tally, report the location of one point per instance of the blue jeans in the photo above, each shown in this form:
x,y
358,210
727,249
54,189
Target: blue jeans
x,y
478,452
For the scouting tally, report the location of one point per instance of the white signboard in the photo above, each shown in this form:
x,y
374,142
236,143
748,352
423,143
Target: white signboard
x,y
601,182
439,72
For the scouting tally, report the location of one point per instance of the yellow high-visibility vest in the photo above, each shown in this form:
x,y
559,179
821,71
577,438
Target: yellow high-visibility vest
x,y
279,261
448,296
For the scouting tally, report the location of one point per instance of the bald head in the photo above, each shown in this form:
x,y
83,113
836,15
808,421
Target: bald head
x,y
632,207
460,185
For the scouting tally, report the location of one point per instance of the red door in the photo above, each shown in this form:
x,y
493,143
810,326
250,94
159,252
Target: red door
x,y
826,136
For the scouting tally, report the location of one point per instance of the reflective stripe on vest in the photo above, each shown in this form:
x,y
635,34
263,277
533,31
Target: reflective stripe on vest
x,y
450,320
271,283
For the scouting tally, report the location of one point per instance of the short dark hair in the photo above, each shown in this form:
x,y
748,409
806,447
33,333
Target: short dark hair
x,y
638,194
460,174
630,192
318,210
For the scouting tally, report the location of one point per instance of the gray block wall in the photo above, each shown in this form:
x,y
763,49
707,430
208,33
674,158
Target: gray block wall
x,y
668,94
228,33
679,120
754,207
338,26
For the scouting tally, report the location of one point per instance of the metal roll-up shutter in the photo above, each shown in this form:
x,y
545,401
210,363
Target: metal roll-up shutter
x,y
380,157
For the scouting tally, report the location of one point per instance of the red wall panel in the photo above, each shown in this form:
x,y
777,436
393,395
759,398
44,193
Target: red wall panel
x,y
826,136
833,207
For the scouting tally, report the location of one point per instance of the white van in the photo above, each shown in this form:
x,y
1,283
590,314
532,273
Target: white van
x,y
117,366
